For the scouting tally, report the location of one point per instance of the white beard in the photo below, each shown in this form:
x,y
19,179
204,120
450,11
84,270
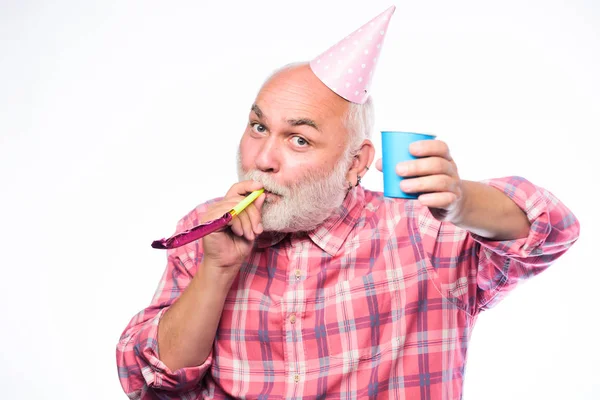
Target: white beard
x,y
302,206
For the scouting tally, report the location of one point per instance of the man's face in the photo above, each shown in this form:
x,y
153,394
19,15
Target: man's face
x,y
295,144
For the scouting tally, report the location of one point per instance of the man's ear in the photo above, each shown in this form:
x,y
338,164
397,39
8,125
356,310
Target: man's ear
x,y
361,162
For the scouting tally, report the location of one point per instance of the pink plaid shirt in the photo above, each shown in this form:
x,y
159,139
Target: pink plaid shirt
x,y
378,302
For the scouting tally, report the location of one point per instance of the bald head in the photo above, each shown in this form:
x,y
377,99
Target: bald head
x,y
297,83
359,118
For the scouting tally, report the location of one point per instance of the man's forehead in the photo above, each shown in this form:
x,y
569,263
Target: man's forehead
x,y
298,115
297,94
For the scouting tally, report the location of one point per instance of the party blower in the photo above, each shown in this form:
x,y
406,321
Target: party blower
x,y
206,228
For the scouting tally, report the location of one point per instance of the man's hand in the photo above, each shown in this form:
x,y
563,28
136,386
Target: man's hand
x,y
434,175
225,251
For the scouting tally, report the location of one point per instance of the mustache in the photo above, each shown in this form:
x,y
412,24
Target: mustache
x,y
269,184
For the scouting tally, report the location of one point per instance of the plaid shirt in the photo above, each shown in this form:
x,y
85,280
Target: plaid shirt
x,y
377,302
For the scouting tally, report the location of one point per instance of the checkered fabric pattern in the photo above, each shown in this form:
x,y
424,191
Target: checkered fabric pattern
x,y
378,302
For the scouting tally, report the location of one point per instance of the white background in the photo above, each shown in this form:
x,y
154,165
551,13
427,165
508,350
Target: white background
x,y
117,118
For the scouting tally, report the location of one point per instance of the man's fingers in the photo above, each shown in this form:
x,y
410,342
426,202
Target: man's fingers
x,y
242,226
243,188
430,183
426,166
255,218
260,200
248,222
247,230
438,200
430,148
236,227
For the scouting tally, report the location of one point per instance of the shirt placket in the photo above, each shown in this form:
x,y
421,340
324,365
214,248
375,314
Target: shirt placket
x,y
293,310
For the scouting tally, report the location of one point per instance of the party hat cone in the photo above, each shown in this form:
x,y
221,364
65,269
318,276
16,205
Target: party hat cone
x,y
347,68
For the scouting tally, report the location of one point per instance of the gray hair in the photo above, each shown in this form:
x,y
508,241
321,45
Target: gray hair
x,y
360,118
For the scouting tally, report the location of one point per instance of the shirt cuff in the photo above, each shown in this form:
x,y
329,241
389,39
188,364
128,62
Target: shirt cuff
x,y
532,201
156,374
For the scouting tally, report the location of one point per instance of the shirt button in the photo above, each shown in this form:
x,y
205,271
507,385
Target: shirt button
x,y
293,318
296,378
298,274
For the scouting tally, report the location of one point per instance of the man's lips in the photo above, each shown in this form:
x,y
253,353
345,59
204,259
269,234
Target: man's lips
x,y
270,196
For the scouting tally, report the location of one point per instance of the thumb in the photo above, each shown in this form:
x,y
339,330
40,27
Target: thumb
x,y
378,165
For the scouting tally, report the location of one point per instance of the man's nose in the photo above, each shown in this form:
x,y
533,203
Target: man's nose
x,y
267,159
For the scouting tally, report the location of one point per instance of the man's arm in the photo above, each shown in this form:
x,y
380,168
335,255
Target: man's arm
x,y
142,372
184,315
167,348
486,237
504,264
489,213
476,271
187,330
476,207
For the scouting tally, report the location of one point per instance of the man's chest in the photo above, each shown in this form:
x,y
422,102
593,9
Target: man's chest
x,y
296,302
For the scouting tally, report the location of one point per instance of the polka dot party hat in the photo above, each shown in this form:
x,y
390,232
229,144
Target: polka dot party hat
x,y
347,68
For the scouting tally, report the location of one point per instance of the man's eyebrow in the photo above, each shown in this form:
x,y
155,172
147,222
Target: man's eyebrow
x,y
303,121
257,110
293,122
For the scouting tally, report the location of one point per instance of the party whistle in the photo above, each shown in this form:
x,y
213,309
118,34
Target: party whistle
x,y
206,228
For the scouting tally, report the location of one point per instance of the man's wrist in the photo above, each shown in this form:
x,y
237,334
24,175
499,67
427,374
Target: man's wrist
x,y
461,211
215,274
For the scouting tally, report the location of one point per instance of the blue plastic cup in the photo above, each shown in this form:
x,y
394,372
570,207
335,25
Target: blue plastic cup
x,y
394,146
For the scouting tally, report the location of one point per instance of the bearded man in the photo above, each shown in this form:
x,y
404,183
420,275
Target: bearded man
x,y
324,289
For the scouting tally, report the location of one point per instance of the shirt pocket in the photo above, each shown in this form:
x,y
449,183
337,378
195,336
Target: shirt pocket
x,y
361,316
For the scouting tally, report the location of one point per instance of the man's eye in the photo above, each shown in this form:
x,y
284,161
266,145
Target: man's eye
x,y
300,141
258,128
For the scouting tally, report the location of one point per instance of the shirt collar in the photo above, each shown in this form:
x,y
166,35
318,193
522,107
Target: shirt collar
x,y
332,233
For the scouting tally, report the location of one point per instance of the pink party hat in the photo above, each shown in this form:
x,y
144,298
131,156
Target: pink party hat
x,y
347,68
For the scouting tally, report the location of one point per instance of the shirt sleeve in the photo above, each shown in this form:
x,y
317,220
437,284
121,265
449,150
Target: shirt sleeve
x,y
502,265
476,273
141,372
